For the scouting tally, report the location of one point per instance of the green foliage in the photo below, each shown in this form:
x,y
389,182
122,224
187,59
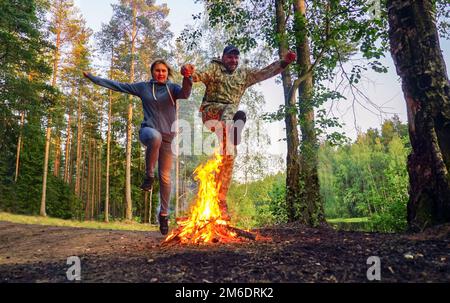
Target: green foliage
x,y
24,196
276,203
23,62
61,200
259,203
336,30
367,178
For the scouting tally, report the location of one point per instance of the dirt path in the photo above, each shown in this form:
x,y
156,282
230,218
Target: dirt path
x,y
33,253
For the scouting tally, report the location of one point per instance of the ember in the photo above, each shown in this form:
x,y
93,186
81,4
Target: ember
x,y
204,225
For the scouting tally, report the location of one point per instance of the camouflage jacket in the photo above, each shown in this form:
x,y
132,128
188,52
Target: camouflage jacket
x,y
224,90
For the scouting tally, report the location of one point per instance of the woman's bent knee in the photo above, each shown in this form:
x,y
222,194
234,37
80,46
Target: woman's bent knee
x,y
150,136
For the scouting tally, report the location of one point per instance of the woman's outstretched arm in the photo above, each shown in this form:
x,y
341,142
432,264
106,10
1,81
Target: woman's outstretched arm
x,y
114,85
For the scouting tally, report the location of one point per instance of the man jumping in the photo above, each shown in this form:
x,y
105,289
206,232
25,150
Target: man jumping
x,y
225,84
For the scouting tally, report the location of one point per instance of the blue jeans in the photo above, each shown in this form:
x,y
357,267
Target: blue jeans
x,y
161,151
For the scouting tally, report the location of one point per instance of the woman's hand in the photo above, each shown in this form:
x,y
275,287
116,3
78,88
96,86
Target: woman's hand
x,y
187,70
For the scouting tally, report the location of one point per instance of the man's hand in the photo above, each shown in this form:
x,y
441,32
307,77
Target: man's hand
x,y
290,57
187,70
85,73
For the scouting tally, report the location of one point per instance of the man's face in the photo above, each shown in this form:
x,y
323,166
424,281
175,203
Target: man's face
x,y
231,61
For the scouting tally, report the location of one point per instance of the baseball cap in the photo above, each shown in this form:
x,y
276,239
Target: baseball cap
x,y
230,49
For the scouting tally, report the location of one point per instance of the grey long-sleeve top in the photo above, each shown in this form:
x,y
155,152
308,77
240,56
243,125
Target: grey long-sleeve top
x,y
158,100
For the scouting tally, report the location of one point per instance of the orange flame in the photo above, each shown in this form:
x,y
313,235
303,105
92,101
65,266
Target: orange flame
x,y
204,224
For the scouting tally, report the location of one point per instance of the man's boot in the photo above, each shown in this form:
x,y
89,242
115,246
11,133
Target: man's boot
x,y
239,119
163,224
147,185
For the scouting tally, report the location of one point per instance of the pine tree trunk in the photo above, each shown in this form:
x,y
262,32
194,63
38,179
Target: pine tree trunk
x,y
108,141
73,162
418,58
78,175
19,145
83,174
99,180
93,176
67,152
57,162
57,54
128,201
44,176
49,124
292,160
54,81
68,142
310,204
88,183
141,167
129,206
150,206
108,152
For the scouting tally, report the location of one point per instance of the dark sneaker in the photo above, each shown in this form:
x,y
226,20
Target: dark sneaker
x,y
239,119
224,215
163,224
147,185
240,115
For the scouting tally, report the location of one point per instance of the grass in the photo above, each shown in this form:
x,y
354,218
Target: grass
x,y
351,224
114,225
349,220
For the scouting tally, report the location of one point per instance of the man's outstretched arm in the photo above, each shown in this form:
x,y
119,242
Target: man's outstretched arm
x,y
271,70
114,85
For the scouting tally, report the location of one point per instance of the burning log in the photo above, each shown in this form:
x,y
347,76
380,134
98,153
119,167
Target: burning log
x,y
210,232
204,225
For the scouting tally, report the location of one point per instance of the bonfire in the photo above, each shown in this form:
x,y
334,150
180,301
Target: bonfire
x,y
204,224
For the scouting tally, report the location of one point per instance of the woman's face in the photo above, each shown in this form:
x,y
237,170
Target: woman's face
x,y
160,73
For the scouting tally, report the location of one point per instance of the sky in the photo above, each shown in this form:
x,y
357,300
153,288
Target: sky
x,y
383,89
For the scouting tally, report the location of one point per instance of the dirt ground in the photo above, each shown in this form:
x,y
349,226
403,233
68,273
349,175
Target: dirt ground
x,y
34,253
